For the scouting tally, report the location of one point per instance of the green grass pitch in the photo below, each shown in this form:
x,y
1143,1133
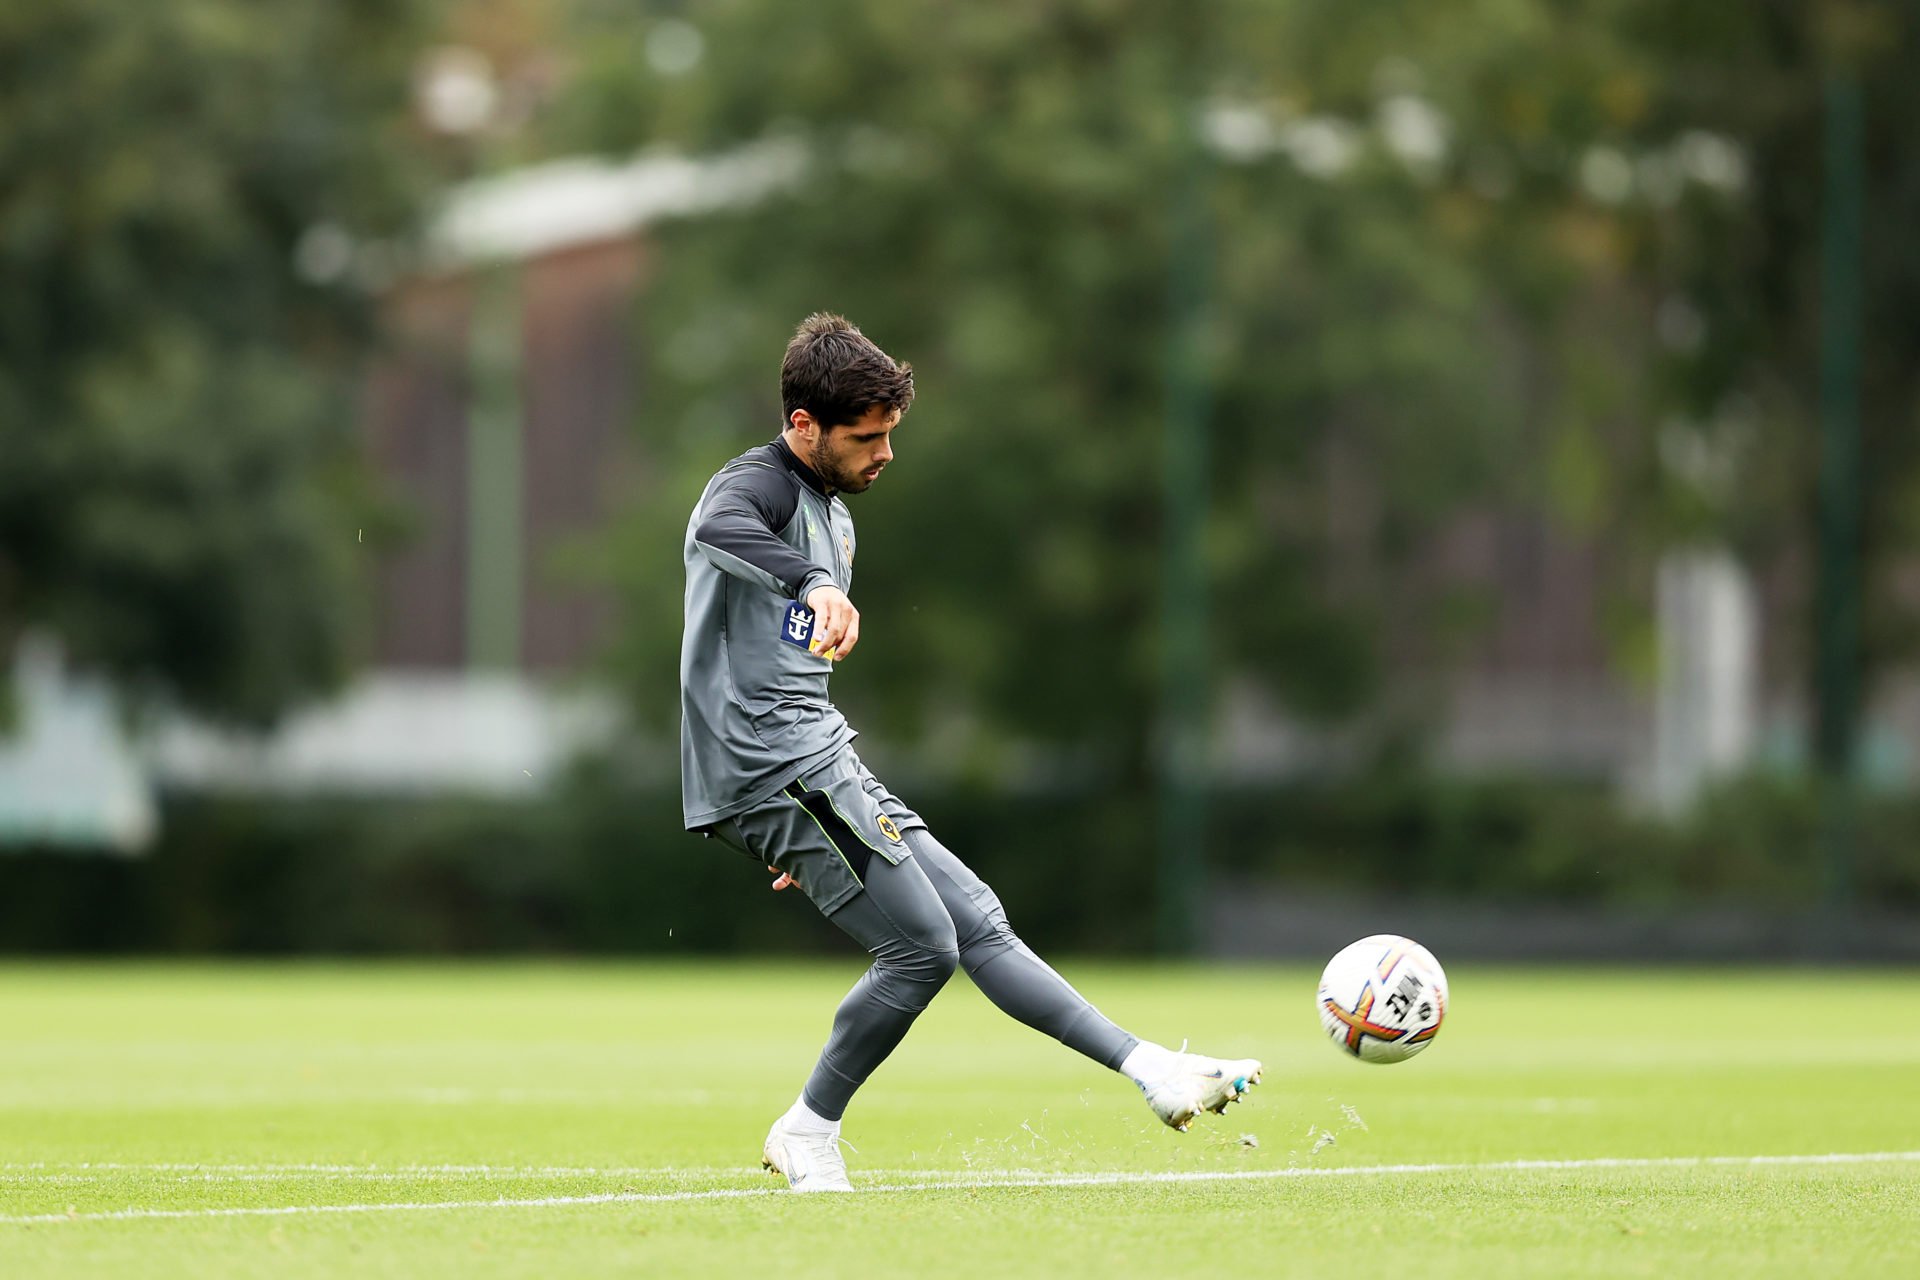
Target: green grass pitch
x,y
496,1119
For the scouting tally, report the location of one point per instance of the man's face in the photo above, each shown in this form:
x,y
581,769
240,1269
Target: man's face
x,y
849,458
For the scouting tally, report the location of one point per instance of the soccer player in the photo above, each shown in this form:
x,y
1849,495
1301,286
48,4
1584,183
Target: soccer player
x,y
767,764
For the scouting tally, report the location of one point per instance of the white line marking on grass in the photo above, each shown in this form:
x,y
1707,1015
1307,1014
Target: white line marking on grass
x,y
978,1181
612,1197
38,1167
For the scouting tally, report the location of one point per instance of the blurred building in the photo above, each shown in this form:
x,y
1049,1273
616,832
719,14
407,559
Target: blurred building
x,y
499,419
503,413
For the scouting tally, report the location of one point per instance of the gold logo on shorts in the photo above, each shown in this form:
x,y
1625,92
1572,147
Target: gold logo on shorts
x,y
888,830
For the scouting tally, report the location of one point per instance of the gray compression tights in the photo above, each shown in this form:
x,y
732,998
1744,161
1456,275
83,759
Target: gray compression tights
x,y
919,919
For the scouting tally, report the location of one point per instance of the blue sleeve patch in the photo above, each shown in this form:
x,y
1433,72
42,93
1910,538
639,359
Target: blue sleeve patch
x,y
797,627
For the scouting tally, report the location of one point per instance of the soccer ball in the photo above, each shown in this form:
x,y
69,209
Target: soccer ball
x,y
1383,998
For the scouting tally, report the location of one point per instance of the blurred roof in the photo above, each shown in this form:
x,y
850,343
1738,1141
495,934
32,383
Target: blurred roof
x,y
536,210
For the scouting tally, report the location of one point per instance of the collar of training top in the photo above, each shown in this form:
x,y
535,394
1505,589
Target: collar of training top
x,y
799,468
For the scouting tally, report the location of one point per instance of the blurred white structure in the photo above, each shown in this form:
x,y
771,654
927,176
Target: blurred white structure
x,y
75,773
67,775
1706,702
398,732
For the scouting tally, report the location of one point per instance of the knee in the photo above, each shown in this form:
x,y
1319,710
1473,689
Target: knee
x,y
919,947
986,933
931,963
909,977
924,960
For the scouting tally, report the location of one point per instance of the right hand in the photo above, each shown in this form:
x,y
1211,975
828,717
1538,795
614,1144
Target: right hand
x,y
836,623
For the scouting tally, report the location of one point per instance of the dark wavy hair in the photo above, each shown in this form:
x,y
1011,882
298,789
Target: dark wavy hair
x,y
835,373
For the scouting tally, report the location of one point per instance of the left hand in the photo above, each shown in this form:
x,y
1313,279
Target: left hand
x,y
781,879
836,623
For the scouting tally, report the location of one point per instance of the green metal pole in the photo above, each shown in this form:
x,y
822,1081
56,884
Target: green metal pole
x,y
494,471
1838,591
1184,662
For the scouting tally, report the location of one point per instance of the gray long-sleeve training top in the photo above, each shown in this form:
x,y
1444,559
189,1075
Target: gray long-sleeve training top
x,y
754,712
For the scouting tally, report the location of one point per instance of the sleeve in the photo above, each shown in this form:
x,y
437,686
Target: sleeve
x,y
739,532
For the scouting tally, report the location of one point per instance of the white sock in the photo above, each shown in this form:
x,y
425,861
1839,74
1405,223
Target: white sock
x,y
804,1118
1147,1061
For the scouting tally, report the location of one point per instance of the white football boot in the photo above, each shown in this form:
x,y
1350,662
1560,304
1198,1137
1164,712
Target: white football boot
x,y
1189,1083
809,1160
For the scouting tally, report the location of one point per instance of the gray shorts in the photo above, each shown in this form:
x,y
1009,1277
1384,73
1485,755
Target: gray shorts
x,y
824,828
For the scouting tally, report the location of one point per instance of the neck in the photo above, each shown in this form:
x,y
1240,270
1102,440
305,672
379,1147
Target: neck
x,y
796,448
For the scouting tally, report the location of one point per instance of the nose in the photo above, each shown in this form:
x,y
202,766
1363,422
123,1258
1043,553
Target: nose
x,y
884,454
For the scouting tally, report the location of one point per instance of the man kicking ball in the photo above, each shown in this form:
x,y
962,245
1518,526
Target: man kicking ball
x,y
767,764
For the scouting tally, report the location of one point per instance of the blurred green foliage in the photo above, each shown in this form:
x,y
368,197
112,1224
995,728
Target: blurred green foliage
x,y
1557,256
596,866
179,484
1730,429
1554,258
990,194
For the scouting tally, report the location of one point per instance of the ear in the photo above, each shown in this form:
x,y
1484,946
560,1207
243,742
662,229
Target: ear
x,y
801,421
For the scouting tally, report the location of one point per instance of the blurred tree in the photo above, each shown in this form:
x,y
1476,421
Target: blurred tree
x,y
182,187
1663,180
1558,257
1742,310
990,193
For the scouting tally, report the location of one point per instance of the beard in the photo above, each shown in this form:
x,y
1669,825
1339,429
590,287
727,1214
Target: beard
x,y
836,474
